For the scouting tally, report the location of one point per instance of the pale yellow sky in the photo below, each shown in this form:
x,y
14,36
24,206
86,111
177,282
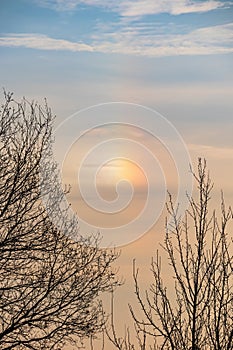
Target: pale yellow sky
x,y
220,164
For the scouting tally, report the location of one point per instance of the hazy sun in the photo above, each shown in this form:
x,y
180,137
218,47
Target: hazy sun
x,y
122,169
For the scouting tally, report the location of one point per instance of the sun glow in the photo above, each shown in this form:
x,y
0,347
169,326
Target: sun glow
x,y
123,169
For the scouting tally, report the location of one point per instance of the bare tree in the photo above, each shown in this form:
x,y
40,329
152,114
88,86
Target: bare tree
x,y
198,313
127,342
49,284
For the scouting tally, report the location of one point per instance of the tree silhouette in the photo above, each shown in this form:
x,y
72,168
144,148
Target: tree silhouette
x,y
198,313
49,284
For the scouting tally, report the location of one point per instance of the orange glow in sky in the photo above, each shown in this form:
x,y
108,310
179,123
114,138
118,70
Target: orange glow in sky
x,y
122,169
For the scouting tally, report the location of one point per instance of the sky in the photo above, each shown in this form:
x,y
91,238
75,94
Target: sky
x,y
140,89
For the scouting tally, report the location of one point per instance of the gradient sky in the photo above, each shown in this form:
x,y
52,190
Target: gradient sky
x,y
175,57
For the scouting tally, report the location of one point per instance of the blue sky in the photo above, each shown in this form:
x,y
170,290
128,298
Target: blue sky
x,y
114,45
145,27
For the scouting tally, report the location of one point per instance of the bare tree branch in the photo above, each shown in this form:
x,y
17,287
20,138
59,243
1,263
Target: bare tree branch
x,y
199,251
49,284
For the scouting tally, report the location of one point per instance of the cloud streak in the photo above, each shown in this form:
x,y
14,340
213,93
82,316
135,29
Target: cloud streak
x,y
138,8
134,41
42,42
137,41
150,7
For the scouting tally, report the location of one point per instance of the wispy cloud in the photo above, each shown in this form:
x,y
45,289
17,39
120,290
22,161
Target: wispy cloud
x,y
138,41
149,7
212,151
42,42
135,41
131,8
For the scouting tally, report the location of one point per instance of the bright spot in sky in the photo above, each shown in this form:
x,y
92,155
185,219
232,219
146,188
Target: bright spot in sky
x,y
121,169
